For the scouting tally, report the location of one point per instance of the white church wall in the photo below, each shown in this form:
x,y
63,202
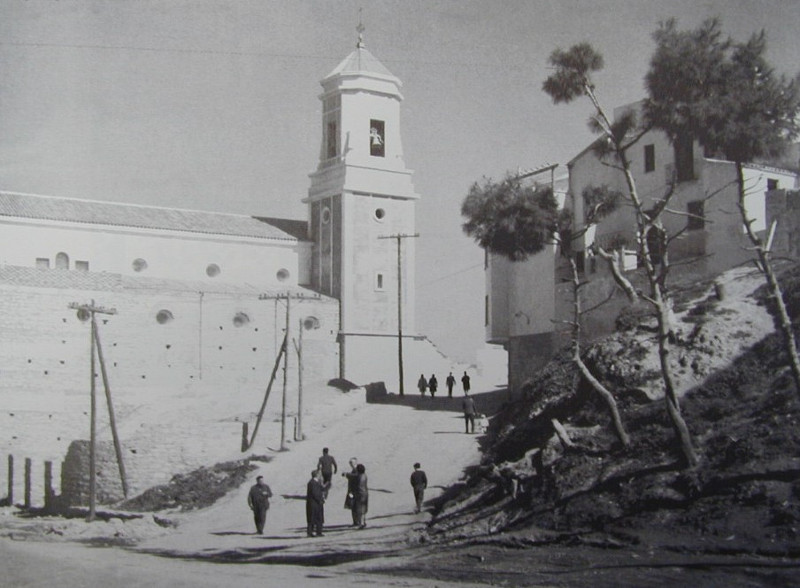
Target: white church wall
x,y
173,255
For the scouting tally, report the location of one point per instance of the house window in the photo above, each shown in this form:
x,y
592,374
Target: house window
x,y
696,210
684,158
376,138
62,261
772,184
82,266
379,281
649,158
43,262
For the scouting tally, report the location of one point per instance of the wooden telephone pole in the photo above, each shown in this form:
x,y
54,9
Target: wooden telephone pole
x,y
288,297
399,237
92,310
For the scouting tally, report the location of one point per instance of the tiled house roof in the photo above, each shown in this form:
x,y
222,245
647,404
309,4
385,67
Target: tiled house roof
x,y
136,216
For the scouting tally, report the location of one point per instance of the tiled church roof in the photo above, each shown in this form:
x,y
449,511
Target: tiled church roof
x,y
138,216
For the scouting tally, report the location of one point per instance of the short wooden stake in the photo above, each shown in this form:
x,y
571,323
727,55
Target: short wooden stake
x,y
27,482
10,480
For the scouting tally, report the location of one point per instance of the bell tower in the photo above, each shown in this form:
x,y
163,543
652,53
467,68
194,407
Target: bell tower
x,y
361,193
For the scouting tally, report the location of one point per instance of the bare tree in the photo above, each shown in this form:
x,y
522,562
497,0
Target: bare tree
x,y
735,105
571,80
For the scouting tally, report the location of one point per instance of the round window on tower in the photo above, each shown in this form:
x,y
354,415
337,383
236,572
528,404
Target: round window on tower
x,y
380,214
282,275
212,271
326,215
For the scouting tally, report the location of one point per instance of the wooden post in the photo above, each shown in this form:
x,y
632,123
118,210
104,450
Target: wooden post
x,y
48,485
285,375
111,416
245,444
299,430
92,429
399,307
27,482
10,480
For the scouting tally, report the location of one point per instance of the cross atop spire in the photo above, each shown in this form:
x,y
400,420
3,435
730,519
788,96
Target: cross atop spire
x,y
360,30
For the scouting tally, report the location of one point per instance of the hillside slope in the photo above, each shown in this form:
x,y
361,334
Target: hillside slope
x,y
738,398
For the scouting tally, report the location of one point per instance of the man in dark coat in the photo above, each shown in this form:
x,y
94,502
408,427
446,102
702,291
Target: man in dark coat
x,y
469,413
352,488
465,382
315,505
258,501
451,381
433,384
419,481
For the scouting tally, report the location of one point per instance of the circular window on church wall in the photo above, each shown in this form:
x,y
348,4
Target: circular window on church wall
x,y
310,322
282,275
83,315
380,214
326,215
212,270
139,265
163,317
240,319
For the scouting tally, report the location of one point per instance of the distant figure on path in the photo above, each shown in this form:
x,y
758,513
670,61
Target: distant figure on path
x,y
465,382
468,404
352,488
361,497
258,501
422,384
327,465
433,384
419,481
451,381
315,505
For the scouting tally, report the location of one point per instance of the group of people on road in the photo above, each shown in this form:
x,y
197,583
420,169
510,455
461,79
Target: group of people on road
x,y
432,384
356,500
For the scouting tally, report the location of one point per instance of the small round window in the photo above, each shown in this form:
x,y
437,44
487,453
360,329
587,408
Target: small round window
x,y
380,214
326,215
282,275
310,322
240,319
139,265
83,315
163,317
212,270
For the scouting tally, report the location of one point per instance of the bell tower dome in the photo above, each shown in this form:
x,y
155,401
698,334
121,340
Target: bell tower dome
x,y
360,194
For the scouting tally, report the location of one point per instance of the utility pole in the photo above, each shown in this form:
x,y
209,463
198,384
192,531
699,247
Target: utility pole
x,y
399,237
299,348
288,297
92,310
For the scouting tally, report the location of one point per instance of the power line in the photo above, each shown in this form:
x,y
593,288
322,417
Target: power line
x,y
461,271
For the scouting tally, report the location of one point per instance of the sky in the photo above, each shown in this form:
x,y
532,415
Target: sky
x,y
213,105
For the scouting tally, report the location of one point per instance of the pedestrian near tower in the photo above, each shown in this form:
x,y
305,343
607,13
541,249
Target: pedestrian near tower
x,y
258,501
465,382
450,381
468,404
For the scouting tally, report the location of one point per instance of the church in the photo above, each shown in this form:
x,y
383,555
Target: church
x,y
189,300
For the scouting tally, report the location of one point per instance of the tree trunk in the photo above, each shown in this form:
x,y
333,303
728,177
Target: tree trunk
x,y
772,282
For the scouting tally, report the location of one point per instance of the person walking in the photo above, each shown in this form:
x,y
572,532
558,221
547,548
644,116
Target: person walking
x,y
258,501
450,381
468,404
465,382
352,488
419,481
433,384
315,505
361,497
422,384
327,465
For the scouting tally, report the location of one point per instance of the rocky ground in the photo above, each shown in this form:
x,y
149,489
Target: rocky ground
x,y
534,507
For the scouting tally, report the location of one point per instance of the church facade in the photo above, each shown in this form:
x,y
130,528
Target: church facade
x,y
199,303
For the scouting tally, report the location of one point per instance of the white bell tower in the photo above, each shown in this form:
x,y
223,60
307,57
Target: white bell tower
x,y
361,193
